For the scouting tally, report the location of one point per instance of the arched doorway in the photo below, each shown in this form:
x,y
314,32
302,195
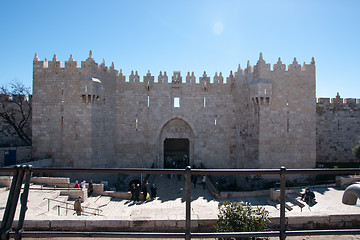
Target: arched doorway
x,y
176,152
176,144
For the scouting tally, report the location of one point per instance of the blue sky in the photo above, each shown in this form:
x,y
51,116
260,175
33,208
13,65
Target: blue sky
x,y
197,36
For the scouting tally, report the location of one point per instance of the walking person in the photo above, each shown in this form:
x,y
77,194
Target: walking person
x,y
153,191
77,206
203,181
90,188
82,184
77,185
132,190
137,193
144,190
194,180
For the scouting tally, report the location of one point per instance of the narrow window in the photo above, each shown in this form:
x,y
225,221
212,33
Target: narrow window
x,y
215,121
62,121
288,125
265,91
148,101
204,101
86,89
62,95
136,124
176,102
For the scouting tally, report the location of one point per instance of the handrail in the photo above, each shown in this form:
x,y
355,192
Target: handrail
x,y
282,172
58,206
262,171
55,200
212,180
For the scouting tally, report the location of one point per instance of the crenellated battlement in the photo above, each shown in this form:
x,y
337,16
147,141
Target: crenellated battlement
x,y
337,100
260,70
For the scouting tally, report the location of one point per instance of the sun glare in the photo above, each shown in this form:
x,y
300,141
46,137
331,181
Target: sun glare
x,y
218,28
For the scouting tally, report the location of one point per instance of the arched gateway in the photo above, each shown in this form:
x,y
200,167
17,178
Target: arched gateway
x,y
176,144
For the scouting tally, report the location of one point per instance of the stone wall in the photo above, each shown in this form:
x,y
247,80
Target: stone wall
x,y
338,128
94,116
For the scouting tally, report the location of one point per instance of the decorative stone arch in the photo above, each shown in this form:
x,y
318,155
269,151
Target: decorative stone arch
x,y
176,128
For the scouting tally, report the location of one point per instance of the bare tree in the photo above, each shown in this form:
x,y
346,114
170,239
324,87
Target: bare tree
x,y
15,108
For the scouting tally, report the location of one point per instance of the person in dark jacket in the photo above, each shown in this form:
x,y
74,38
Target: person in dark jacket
x,y
194,180
153,191
308,196
144,190
137,193
90,188
132,190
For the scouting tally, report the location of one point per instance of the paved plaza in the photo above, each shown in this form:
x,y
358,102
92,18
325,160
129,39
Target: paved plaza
x,y
168,209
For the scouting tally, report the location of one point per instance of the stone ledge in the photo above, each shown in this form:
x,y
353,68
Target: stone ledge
x,y
293,223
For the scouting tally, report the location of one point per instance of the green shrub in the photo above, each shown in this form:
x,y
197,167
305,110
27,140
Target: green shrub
x,y
241,217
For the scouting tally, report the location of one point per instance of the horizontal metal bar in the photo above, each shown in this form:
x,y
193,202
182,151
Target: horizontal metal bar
x,y
323,232
159,171
43,234
193,171
323,171
236,234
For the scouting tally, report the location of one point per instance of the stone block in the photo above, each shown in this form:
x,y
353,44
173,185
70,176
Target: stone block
x,y
67,225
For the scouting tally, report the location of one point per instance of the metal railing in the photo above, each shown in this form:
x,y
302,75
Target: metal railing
x,y
24,172
67,204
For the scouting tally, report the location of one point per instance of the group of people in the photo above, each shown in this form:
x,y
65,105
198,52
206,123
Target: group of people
x,y
83,186
194,180
77,204
136,189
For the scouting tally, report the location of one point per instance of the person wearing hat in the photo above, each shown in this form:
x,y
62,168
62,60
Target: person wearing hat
x,y
77,206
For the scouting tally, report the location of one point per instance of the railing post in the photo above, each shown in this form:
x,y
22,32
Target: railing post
x,y
188,203
48,205
282,203
23,201
3,234
15,199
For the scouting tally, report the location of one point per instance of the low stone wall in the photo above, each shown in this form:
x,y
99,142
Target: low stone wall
x,y
200,225
75,193
23,154
123,195
5,181
45,162
52,181
243,194
345,181
275,193
98,188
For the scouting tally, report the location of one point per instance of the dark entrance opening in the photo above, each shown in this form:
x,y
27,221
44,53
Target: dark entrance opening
x,y
176,152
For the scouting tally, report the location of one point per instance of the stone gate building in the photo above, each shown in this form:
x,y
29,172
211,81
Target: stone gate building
x,y
94,116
